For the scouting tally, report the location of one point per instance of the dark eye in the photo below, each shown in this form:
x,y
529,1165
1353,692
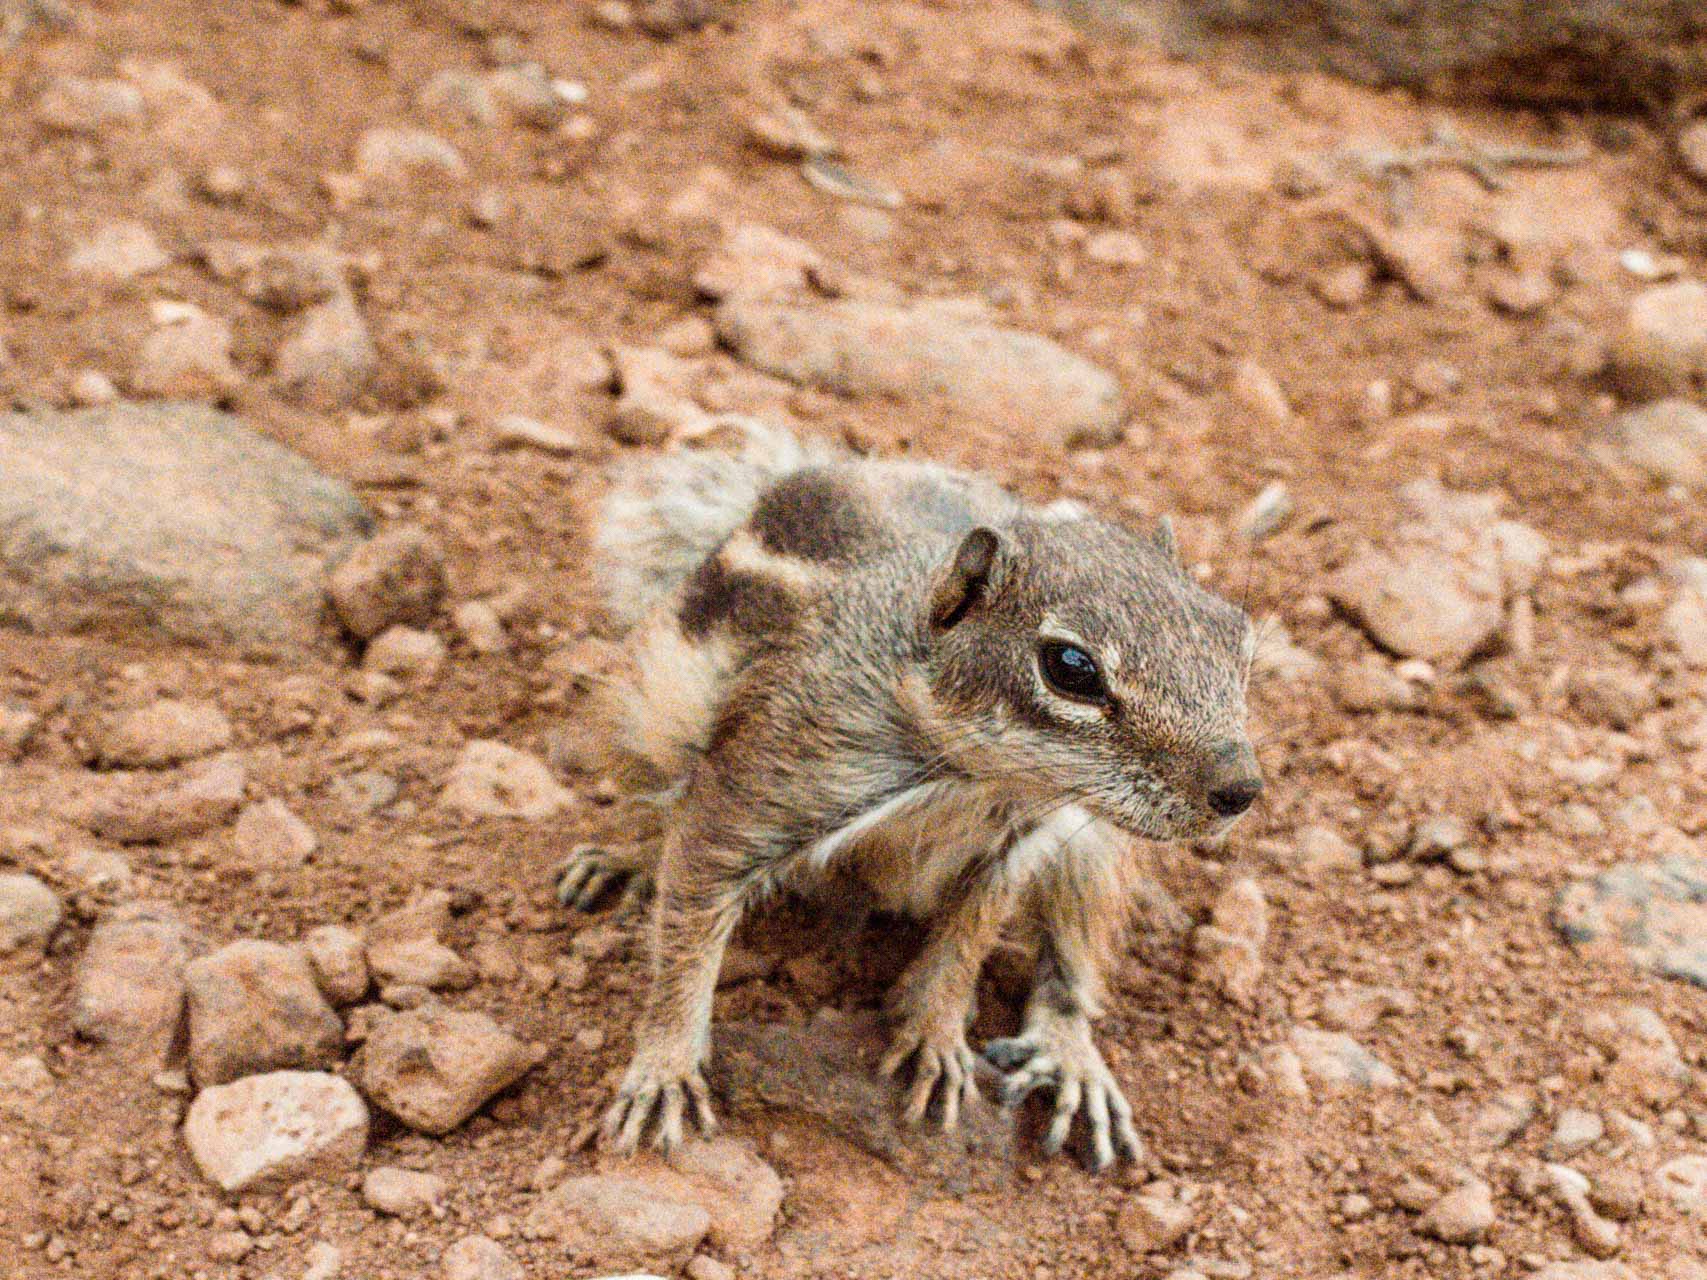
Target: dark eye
x,y
1071,671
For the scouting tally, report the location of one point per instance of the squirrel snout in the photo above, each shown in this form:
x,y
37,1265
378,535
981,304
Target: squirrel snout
x,y
1233,780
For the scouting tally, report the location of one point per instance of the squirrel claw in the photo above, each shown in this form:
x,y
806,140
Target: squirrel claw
x,y
942,1067
590,872
644,1097
1064,1059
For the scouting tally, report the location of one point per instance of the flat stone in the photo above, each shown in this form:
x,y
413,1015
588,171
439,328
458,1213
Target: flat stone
x,y
79,104
480,1258
203,797
1649,914
1645,1065
739,1191
492,780
1661,348
269,834
1691,145
1337,1062
172,517
480,627
1322,849
255,1007
1017,384
1359,1008
91,388
759,262
525,93
459,97
1153,1223
1683,1181
30,912
1230,947
1266,513
1684,625
402,1193
275,1129
421,962
166,732
130,982
118,252
433,1068
1431,260
1370,684
1462,1216
188,358
1499,1121
826,1070
1665,441
105,873
654,397
611,1221
1259,393
1575,1131
405,652
397,159
1586,1271
515,431
18,727
1614,698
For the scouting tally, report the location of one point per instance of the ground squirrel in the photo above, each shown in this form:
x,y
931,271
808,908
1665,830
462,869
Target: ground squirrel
x,y
901,673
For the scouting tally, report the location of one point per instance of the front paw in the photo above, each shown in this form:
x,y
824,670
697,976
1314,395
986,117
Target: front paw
x,y
1060,1055
660,1085
942,1066
590,872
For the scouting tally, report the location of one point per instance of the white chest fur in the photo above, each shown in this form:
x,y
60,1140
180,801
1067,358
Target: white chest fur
x,y
911,848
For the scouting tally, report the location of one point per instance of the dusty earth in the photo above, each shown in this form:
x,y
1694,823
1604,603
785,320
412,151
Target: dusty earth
x,y
1271,317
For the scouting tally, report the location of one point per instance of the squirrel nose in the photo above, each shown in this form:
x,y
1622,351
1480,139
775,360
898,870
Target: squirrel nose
x,y
1234,781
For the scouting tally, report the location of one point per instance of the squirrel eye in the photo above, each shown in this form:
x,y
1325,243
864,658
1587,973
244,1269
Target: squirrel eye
x,y
1069,670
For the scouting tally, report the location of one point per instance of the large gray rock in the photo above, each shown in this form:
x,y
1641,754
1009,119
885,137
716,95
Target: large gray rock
x,y
1540,50
1009,381
172,516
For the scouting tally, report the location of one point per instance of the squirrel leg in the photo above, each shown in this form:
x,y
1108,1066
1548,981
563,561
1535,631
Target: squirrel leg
x,y
702,891
1081,900
932,1003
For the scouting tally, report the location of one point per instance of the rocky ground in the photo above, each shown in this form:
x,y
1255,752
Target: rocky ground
x,y
291,738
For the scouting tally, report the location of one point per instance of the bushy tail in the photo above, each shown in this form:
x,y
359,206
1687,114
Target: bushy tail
x,y
669,512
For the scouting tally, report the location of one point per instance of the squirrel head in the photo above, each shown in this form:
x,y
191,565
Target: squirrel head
x,y
1076,659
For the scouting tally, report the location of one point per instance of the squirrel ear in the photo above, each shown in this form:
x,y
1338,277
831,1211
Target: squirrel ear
x,y
1164,539
972,574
